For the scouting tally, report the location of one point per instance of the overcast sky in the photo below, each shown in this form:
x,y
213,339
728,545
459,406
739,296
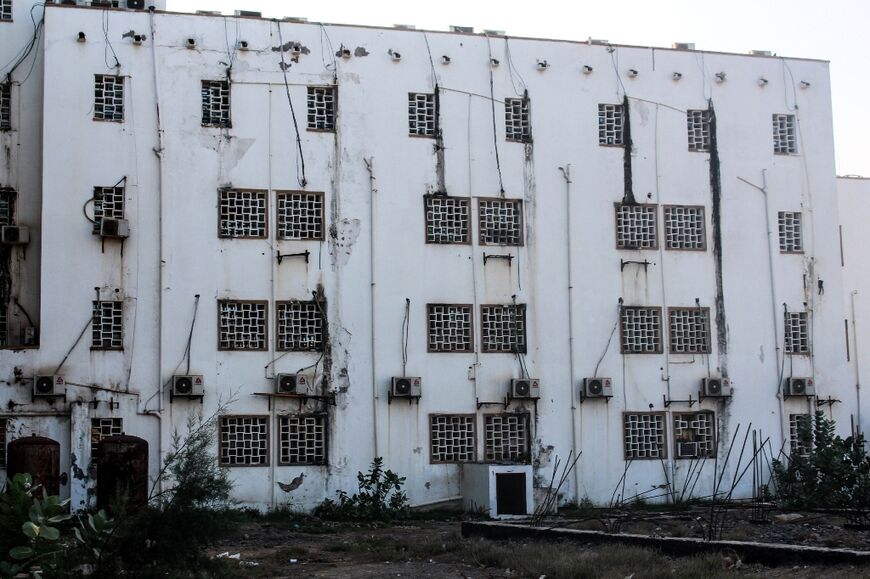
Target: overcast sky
x,y
834,30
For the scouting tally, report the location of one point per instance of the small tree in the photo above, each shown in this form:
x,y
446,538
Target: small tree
x,y
380,497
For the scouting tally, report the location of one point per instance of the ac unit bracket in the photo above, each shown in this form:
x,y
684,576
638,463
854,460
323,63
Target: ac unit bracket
x,y
508,258
701,397
668,401
584,398
410,399
329,399
504,402
827,401
305,254
172,397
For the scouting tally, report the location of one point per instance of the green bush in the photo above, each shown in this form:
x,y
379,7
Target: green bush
x,y
380,498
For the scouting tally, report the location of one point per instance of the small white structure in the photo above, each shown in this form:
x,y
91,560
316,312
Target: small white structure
x,y
501,491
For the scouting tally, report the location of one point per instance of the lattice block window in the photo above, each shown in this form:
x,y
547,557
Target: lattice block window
x,y
244,440
103,428
5,10
421,114
450,328
242,213
5,106
685,227
517,122
791,238
108,204
800,434
300,216
216,103
447,219
4,325
507,437
784,134
699,130
797,333
452,437
695,435
641,330
242,325
7,205
108,97
302,439
107,325
500,221
301,325
610,124
321,108
690,330
4,424
636,226
644,435
503,328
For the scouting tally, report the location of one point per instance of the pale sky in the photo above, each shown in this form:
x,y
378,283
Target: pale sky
x,y
834,30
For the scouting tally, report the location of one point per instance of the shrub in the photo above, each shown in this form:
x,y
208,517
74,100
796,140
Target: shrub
x,y
380,498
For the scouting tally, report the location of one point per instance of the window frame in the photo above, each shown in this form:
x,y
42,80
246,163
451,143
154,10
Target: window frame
x,y
93,319
221,125
119,80
660,347
266,216
265,325
621,137
280,442
287,192
525,348
471,328
474,436
525,109
800,219
6,102
522,224
268,437
616,209
792,120
788,345
665,445
435,123
321,305
334,119
527,457
470,232
715,438
707,124
666,210
706,312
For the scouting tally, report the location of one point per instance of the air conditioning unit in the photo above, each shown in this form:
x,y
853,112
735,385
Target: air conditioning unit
x,y
28,336
48,386
597,387
716,387
14,235
406,387
136,4
291,384
192,386
525,388
800,387
687,449
114,228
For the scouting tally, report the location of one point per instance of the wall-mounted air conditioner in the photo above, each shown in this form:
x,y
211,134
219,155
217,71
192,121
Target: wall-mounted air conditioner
x,y
716,387
502,491
291,384
188,386
597,387
800,387
406,387
525,388
114,228
48,386
14,235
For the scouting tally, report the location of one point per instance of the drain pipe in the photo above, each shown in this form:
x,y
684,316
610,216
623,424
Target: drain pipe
x,y
375,396
857,360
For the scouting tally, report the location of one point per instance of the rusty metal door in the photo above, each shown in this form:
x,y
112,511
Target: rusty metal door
x,y
122,472
37,456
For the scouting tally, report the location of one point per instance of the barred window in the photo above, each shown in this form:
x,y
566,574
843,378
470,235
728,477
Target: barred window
x,y
636,226
321,108
694,435
800,434
610,120
447,219
797,333
241,325
301,326
421,114
107,326
242,213
244,441
216,103
103,428
7,205
5,106
784,134
641,330
500,221
790,232
503,328
699,130
644,435
108,204
452,437
302,439
690,330
507,437
685,227
5,10
108,98
516,120
450,328
300,216
4,424
4,325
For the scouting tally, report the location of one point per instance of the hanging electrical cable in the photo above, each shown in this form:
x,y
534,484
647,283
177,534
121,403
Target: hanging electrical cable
x,y
406,327
494,125
190,334
32,43
301,159
108,46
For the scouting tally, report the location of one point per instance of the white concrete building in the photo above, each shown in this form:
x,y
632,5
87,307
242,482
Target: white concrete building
x,y
354,204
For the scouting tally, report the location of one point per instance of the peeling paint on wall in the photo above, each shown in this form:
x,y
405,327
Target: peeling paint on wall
x,y
342,237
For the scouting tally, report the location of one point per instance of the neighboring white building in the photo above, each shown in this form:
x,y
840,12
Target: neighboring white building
x,y
356,204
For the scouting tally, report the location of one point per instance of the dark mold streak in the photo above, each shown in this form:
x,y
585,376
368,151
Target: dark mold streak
x,y
716,190
628,195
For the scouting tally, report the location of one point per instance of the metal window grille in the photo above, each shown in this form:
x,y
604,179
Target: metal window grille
x,y
244,440
216,103
108,97
451,437
302,439
7,206
321,108
421,114
685,228
644,435
641,330
610,123
698,124
503,328
242,325
784,134
447,219
516,120
107,325
500,221
3,426
797,333
300,216
690,330
5,106
6,10
450,328
636,227
790,232
108,204
800,434
103,428
4,324
507,437
301,326
695,435
242,213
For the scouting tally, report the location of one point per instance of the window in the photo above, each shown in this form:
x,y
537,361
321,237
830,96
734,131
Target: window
x,y
421,114
503,328
108,204
108,98
699,130
244,441
447,219
784,136
797,333
610,124
242,213
636,227
241,325
690,330
500,221
321,108
450,328
107,326
685,228
644,435
5,10
103,428
800,434
451,437
5,106
302,439
790,232
694,435
7,206
301,326
216,103
300,216
507,437
3,426
516,120
641,330
4,325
